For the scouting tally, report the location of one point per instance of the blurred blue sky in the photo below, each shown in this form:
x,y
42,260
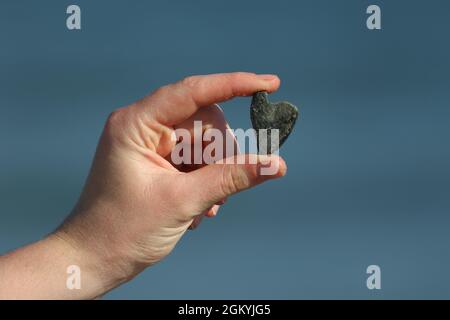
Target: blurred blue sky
x,y
369,176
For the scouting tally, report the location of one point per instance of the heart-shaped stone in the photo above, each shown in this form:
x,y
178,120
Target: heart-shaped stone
x,y
267,115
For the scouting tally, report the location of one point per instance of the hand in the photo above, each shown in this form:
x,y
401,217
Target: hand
x,y
136,203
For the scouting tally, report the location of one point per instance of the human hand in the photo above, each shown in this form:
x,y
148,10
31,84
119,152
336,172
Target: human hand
x,y
136,203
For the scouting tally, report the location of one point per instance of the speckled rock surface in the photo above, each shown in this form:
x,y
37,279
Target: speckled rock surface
x,y
267,115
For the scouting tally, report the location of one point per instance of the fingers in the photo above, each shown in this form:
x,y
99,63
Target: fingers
x,y
212,183
196,222
222,202
213,130
172,104
211,212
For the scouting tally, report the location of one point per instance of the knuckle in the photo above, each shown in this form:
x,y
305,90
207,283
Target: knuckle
x,y
190,81
239,74
115,117
161,91
115,120
234,179
236,76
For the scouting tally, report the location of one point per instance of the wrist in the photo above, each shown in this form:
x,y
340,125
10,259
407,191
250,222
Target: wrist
x,y
99,271
79,274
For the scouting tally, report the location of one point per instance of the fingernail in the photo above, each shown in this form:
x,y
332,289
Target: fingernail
x,y
268,77
272,165
264,159
214,211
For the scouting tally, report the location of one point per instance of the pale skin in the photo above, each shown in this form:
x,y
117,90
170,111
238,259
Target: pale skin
x,y
136,205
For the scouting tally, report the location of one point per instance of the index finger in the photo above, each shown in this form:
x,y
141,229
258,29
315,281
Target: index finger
x,y
176,102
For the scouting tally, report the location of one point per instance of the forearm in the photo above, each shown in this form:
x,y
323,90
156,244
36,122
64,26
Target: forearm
x,y
40,271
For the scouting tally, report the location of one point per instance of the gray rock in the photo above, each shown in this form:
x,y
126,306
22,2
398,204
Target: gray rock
x,y
267,115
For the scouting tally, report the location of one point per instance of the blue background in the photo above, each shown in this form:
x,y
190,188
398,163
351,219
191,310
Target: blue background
x,y
368,179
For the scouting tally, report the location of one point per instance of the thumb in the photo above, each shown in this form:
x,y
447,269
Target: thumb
x,y
215,182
